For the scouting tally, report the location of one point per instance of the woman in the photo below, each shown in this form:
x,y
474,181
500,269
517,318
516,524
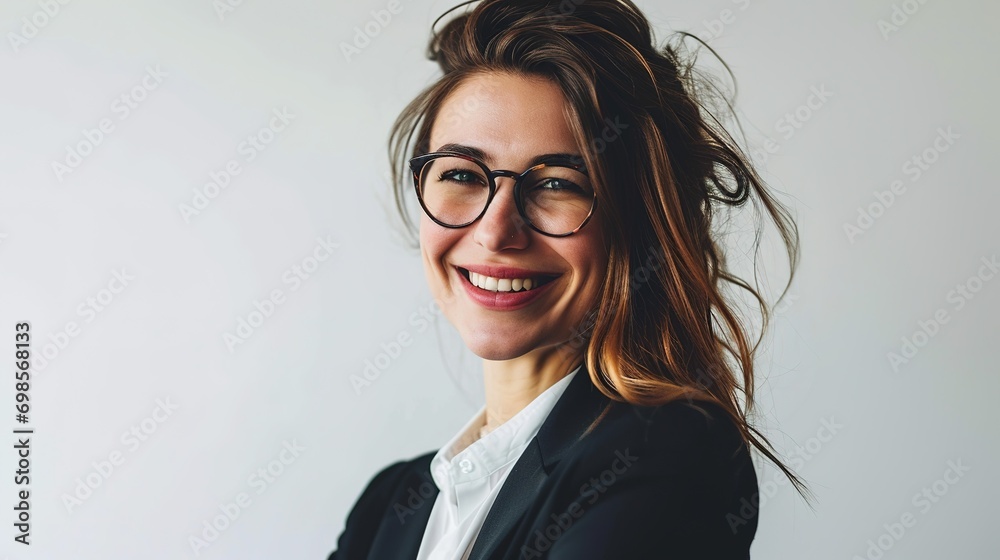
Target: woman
x,y
568,177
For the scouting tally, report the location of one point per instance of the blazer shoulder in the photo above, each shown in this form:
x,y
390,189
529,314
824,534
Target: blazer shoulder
x,y
370,507
650,482
693,451
703,430
381,486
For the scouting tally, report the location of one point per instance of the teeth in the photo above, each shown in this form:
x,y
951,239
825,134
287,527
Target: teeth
x,y
501,284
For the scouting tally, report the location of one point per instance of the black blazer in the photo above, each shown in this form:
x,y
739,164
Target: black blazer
x,y
669,482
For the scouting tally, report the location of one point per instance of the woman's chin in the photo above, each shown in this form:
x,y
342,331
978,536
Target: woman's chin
x,y
496,347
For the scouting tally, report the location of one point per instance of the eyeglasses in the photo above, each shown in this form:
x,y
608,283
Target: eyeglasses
x,y
454,189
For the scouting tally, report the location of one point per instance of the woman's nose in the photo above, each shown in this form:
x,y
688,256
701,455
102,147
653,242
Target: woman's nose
x,y
502,226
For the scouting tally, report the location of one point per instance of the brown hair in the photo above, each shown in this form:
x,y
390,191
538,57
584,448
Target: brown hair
x,y
659,333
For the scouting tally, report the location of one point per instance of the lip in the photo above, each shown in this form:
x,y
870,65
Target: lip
x,y
502,301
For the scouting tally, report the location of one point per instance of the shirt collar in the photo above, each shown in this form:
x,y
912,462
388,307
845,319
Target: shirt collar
x,y
481,457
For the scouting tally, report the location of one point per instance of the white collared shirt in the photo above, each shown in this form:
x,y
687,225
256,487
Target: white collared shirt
x,y
470,479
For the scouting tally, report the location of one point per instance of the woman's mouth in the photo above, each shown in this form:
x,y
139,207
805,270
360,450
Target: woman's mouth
x,y
504,288
501,285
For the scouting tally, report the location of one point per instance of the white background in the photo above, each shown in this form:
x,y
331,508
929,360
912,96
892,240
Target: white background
x,y
63,236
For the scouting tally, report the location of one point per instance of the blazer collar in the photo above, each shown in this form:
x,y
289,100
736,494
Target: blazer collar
x,y
572,414
580,404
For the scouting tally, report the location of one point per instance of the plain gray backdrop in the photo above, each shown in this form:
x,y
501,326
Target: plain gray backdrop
x,y
197,328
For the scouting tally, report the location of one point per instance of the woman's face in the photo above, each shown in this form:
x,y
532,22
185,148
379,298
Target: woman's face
x,y
511,119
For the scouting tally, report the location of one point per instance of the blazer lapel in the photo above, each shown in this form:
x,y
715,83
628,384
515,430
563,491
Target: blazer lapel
x,y
576,408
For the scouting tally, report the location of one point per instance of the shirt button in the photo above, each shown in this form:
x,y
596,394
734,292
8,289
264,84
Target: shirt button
x,y
466,466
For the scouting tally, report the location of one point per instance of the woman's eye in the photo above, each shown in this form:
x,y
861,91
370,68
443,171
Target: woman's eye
x,y
559,185
460,177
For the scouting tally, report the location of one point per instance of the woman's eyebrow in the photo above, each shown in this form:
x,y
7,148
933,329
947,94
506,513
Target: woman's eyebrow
x,y
466,150
481,155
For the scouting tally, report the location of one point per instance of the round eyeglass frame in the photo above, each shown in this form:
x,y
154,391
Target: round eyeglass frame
x,y
417,165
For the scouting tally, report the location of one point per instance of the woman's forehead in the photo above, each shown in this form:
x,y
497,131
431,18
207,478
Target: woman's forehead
x,y
504,115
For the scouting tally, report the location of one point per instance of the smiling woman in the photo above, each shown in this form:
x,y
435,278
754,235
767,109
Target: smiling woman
x,y
568,174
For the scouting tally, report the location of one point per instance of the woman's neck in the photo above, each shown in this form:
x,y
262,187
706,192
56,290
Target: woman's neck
x,y
512,384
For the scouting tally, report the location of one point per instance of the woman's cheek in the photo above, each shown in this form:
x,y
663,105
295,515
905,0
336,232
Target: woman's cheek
x,y
435,241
